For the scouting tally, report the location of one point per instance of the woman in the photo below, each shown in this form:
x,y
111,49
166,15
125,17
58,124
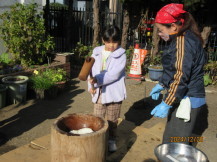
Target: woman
x,y
183,63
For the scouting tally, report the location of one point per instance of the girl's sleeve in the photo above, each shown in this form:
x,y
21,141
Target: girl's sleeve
x,y
183,65
114,74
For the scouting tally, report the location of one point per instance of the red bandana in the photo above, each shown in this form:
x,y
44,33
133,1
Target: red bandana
x,y
170,14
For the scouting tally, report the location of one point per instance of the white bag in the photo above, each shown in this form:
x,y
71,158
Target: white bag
x,y
184,109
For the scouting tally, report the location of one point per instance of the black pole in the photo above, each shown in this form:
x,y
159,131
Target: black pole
x,y
47,12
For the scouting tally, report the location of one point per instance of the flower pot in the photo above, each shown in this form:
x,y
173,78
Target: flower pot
x,y
61,86
39,93
155,72
17,87
3,89
50,93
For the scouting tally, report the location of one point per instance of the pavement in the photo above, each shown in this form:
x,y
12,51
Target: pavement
x,y
137,145
30,123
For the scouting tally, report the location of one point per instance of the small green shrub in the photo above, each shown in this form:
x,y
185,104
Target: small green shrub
x,y
23,32
211,72
56,75
80,53
41,82
58,5
48,78
129,54
207,80
155,60
5,59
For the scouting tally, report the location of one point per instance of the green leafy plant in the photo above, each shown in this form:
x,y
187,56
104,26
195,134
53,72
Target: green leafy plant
x,y
211,70
207,80
56,75
58,5
155,62
5,59
81,52
41,82
23,32
129,54
48,78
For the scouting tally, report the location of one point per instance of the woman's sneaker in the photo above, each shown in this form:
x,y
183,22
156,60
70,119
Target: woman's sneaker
x,y
112,147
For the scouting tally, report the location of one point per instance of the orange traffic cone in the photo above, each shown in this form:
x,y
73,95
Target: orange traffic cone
x,y
143,53
138,58
135,69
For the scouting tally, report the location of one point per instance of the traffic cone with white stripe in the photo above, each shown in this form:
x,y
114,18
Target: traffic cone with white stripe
x,y
138,58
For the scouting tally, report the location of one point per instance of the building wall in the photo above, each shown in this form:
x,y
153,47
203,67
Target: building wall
x,y
83,5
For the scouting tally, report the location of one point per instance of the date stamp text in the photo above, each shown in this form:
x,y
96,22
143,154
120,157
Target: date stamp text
x,y
186,139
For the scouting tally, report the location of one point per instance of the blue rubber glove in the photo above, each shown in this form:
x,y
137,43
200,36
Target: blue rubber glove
x,y
161,110
155,92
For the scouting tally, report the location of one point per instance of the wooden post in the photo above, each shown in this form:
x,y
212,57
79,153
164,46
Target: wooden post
x,y
96,24
155,42
67,147
126,22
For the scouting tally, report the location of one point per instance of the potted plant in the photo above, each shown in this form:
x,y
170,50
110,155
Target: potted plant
x,y
43,86
48,83
58,76
155,69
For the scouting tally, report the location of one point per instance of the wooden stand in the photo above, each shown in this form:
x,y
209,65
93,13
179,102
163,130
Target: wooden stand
x,y
67,147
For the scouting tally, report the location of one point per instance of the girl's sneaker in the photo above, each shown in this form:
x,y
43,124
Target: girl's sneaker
x,y
112,147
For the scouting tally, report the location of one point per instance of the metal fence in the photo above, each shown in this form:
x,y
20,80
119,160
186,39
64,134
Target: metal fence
x,y
69,27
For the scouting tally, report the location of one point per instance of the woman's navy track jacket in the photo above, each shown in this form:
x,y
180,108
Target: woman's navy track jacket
x,y
183,63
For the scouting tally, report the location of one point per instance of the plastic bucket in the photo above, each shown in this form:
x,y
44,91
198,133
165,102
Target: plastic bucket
x,y
17,87
3,89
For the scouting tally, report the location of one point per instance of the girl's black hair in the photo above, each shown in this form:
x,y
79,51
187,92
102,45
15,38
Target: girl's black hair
x,y
112,34
189,24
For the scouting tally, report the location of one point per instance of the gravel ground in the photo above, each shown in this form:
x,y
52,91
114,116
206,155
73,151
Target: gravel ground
x,y
33,119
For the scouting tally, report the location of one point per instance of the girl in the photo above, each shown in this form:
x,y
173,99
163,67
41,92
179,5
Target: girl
x,y
108,74
183,63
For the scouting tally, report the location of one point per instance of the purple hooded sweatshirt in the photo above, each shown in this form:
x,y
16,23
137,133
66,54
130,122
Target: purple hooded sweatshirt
x,y
112,80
